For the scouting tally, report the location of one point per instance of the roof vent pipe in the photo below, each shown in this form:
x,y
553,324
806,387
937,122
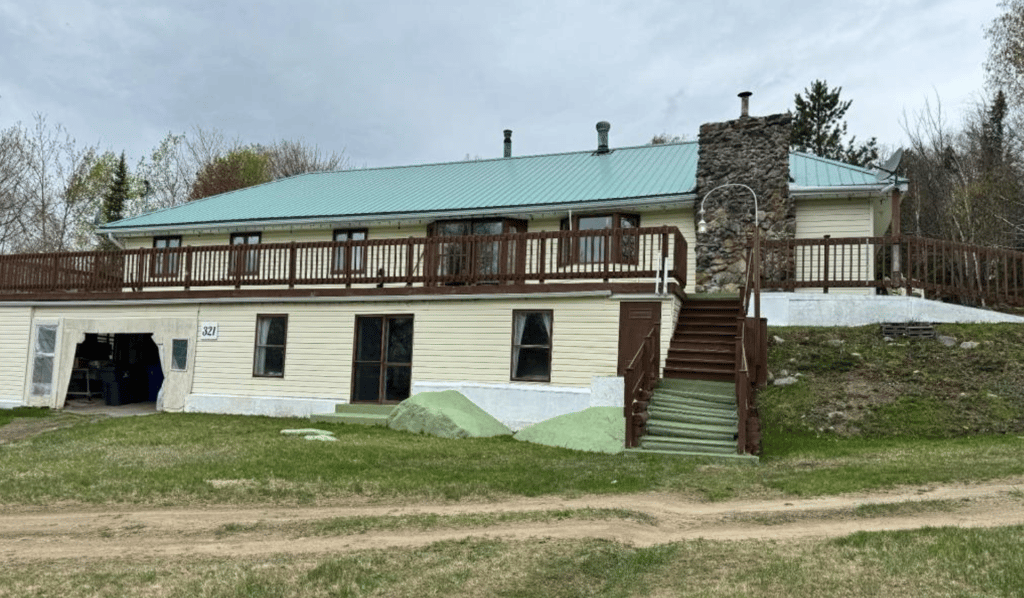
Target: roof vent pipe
x,y
602,136
745,103
508,143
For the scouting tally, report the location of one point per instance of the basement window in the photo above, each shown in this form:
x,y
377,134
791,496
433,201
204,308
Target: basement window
x,y
531,345
179,354
271,338
42,362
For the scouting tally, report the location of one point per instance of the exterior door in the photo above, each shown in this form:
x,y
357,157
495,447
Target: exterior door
x,y
636,318
382,363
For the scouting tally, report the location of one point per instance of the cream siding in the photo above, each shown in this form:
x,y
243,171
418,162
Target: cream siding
x,y
839,218
467,341
15,337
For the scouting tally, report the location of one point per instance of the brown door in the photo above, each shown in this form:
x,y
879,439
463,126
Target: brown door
x,y
636,318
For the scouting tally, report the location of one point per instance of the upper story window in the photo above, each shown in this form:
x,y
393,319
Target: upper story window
x,y
612,246
246,261
165,263
354,258
477,257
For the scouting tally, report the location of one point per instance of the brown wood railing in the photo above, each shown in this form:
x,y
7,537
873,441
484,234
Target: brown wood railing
x,y
656,254
751,353
640,378
945,270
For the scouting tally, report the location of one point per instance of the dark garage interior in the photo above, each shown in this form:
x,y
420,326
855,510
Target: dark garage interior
x,y
117,368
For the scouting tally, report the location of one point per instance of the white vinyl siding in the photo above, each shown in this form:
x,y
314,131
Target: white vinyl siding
x,y
15,335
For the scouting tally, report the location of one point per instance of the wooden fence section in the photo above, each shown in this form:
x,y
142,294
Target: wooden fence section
x,y
656,254
946,270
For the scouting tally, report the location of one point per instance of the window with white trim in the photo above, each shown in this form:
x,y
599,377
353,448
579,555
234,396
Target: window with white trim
x,y
42,360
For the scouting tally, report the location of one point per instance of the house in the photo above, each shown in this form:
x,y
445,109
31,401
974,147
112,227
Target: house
x,y
528,283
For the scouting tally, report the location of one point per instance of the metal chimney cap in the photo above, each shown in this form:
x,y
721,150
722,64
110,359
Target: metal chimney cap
x,y
602,136
744,97
508,143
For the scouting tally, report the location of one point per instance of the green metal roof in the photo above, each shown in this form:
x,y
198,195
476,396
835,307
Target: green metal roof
x,y
502,184
808,170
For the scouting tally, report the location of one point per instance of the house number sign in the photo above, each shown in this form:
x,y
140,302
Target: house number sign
x,y
208,331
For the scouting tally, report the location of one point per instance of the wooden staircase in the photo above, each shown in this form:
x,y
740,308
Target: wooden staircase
x,y
692,409
367,414
704,343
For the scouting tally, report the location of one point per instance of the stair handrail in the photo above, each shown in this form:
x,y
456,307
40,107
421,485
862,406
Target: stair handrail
x,y
749,358
638,385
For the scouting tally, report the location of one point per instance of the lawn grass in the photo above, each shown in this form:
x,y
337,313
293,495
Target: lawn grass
x,y
921,563
195,459
9,415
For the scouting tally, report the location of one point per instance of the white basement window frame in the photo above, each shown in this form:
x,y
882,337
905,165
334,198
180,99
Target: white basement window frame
x,y
44,351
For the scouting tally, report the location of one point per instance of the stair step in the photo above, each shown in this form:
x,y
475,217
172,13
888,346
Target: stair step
x,y
376,408
688,374
731,457
697,393
694,416
664,428
667,443
700,386
701,358
366,419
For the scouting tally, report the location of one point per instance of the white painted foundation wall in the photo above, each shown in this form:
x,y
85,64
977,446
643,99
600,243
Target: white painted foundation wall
x,y
803,309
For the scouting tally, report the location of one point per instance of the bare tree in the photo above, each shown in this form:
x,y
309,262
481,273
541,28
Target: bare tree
x,y
12,172
55,188
289,158
1005,64
964,183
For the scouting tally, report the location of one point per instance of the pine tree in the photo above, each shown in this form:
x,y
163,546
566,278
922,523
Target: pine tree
x,y
114,200
819,128
117,195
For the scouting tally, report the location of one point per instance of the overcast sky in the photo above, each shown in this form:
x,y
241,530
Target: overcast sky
x,y
395,83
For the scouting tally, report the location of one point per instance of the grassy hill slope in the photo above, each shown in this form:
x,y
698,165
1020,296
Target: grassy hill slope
x,y
854,382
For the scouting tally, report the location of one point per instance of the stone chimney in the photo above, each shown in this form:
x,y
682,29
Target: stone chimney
x,y
753,151
602,137
508,143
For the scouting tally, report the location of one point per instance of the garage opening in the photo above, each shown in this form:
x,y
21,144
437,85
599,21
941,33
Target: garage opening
x,y
117,369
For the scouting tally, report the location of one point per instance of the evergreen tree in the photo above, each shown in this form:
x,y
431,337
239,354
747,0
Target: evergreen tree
x,y
114,200
117,195
819,128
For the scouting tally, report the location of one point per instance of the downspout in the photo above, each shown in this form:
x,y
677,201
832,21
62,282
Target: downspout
x,y
114,240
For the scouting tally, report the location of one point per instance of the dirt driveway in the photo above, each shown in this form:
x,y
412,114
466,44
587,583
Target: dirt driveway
x,y
27,535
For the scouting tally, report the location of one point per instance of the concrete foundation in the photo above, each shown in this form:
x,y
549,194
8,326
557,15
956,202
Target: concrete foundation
x,y
806,309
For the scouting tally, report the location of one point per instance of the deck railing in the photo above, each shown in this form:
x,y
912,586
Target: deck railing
x,y
945,270
655,254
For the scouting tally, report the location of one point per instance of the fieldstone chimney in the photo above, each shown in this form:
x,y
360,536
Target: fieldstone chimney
x,y
753,151
602,136
508,143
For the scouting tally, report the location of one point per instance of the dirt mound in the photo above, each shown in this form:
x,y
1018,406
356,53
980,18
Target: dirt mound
x,y
595,429
448,414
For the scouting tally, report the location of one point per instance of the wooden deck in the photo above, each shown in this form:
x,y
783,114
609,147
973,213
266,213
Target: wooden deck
x,y
649,258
